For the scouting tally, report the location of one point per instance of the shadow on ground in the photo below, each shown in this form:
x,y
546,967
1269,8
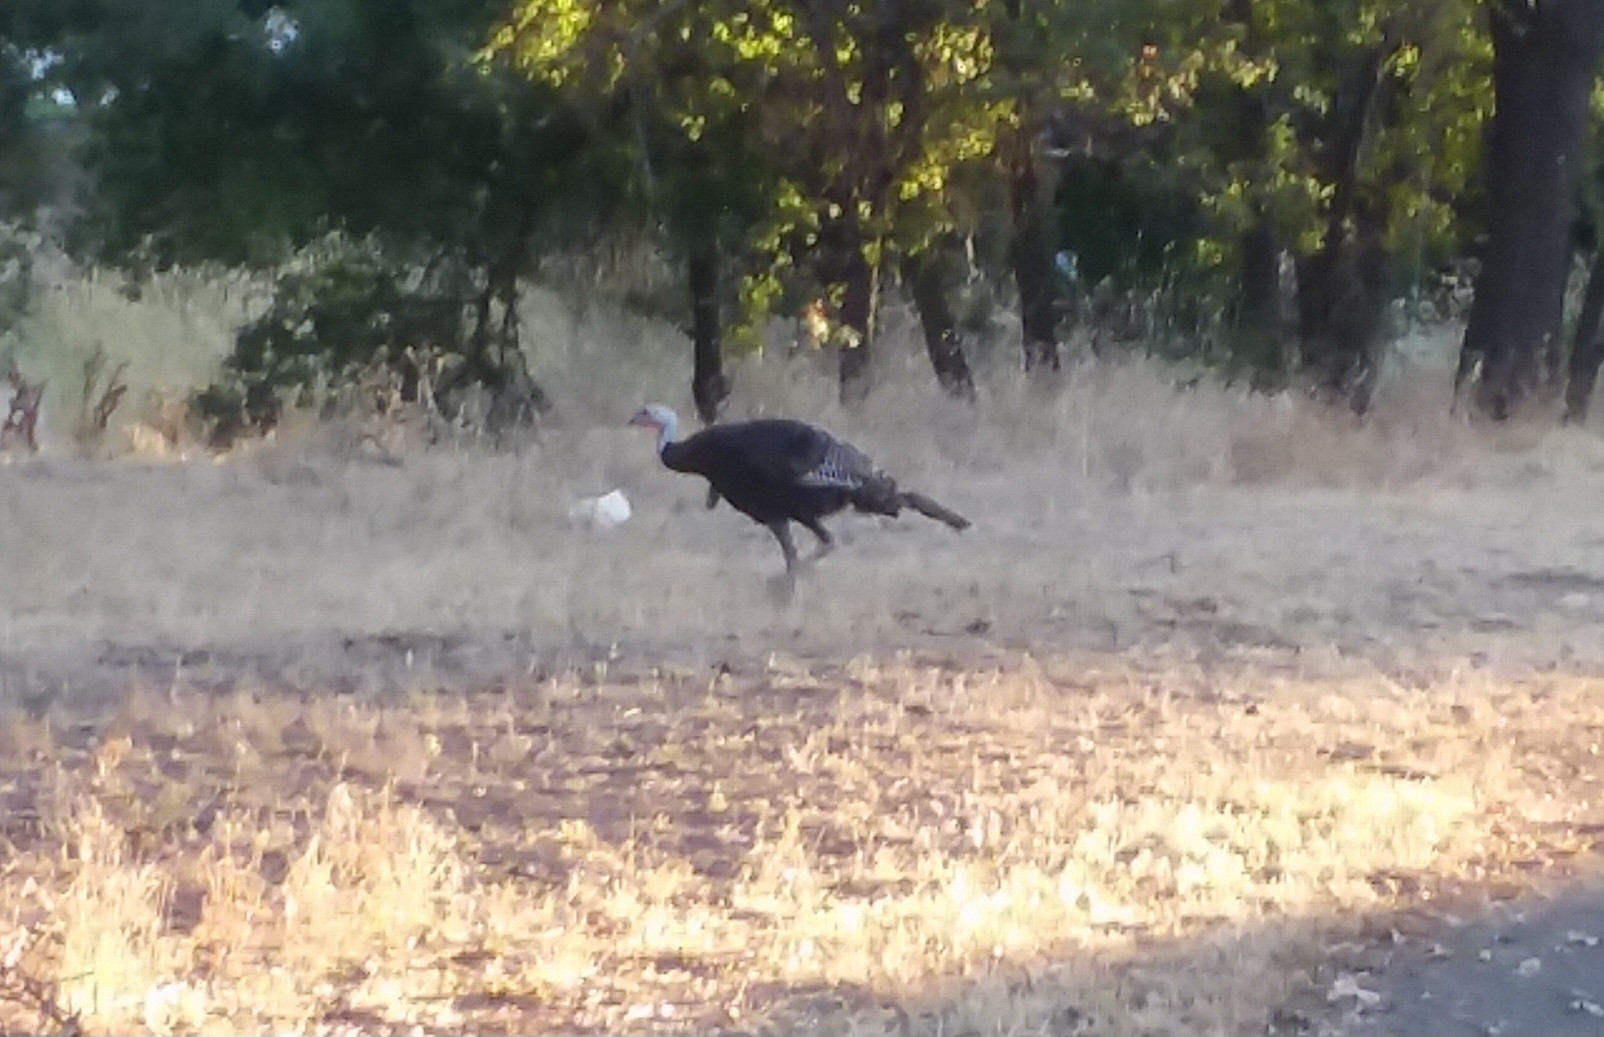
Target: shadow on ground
x,y
1533,965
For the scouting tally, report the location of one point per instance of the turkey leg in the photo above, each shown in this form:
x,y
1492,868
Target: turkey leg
x,y
826,541
785,590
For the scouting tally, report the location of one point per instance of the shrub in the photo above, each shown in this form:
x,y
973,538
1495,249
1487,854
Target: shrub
x,y
345,311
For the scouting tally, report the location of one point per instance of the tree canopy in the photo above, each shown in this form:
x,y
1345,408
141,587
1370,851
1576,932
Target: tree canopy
x,y
814,154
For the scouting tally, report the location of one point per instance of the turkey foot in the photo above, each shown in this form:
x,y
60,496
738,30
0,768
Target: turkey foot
x,y
826,541
782,589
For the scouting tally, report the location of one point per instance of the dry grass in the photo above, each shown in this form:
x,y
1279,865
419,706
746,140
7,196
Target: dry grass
x,y
319,740
172,336
1120,515
984,850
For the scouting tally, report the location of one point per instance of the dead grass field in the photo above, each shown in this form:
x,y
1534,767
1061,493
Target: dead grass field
x,y
336,737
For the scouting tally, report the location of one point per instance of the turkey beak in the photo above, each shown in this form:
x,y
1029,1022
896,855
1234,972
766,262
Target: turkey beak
x,y
644,420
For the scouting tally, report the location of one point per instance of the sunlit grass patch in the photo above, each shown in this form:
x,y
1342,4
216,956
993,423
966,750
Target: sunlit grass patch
x,y
1078,841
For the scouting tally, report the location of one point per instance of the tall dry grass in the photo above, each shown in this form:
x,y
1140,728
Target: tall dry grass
x,y
1124,424
172,337
1098,506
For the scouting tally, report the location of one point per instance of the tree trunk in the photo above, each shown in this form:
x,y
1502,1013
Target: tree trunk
x,y
1258,314
1032,252
1587,348
857,321
1544,61
709,388
1343,304
1033,241
1342,289
1258,300
926,274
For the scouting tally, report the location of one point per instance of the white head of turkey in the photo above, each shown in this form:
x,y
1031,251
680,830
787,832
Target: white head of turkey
x,y
777,471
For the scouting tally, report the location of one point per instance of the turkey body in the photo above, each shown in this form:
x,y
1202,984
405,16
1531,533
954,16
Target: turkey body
x,y
777,471
774,469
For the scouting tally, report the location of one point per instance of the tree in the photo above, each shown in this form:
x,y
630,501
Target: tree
x,y
867,112
710,192
1587,346
238,132
1026,37
1587,341
1399,90
785,152
16,90
696,174
1545,58
1334,133
1258,297
929,276
1074,80
37,132
858,108
35,138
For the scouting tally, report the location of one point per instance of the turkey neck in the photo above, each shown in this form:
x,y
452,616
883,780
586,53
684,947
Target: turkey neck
x,y
667,430
674,456
670,449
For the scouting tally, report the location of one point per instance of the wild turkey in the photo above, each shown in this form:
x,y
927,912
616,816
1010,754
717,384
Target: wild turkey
x,y
777,471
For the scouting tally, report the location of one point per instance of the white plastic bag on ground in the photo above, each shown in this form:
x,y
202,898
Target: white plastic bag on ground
x,y
608,511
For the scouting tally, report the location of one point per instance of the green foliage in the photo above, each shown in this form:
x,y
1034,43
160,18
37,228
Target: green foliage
x,y
1126,220
783,136
818,117
27,141
898,138
16,91
345,311
220,141
32,130
240,132
1309,119
338,314
1301,60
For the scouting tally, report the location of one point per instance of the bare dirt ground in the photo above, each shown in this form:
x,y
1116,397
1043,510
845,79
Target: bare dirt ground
x,y
1218,696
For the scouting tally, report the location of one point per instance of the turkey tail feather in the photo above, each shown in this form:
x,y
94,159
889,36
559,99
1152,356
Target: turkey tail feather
x,y
925,506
